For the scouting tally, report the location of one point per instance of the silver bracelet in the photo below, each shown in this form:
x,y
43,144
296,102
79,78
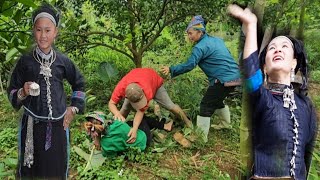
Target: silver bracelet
x,y
19,94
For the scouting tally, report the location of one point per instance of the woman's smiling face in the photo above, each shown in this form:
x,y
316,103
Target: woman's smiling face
x,y
44,32
280,57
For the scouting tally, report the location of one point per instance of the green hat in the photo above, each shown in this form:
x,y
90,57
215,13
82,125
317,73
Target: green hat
x,y
98,115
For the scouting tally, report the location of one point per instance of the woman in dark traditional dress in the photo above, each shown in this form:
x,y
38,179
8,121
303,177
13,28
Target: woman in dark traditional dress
x,y
284,120
37,86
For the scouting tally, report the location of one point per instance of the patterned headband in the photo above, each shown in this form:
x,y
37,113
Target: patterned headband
x,y
45,15
285,38
199,27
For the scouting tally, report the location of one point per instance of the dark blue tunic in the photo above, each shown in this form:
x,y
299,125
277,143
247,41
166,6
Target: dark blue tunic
x,y
273,126
53,162
27,69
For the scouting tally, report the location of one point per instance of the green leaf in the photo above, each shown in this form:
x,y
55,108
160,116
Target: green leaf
x,y
27,2
313,174
2,168
6,174
11,162
11,53
17,16
96,160
22,49
83,26
81,153
7,12
159,150
15,41
106,71
4,37
316,156
128,39
91,98
3,172
274,1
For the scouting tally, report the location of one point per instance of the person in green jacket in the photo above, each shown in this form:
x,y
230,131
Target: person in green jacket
x,y
111,136
215,60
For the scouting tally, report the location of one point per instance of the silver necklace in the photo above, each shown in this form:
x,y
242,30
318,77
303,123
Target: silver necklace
x,y
45,69
45,61
289,102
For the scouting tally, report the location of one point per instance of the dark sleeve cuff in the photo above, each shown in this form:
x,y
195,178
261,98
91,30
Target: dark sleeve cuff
x,y
171,70
13,98
78,100
251,65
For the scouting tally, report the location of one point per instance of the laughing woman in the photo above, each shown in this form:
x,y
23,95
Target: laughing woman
x,y
37,85
284,120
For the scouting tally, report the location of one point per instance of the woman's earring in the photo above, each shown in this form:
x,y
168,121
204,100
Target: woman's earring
x,y
292,75
265,79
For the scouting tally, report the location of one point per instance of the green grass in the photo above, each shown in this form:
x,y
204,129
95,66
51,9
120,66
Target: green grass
x,y
315,96
8,138
315,76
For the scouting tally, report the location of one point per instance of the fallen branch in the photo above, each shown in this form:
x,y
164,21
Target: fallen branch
x,y
194,158
176,159
229,152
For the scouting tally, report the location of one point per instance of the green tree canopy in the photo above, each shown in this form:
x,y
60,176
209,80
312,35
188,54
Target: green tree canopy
x,y
131,27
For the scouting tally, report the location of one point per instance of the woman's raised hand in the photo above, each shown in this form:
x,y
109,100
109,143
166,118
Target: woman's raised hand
x,y
244,15
249,25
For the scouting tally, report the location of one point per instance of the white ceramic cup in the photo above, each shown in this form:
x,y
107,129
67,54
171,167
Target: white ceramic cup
x,y
34,89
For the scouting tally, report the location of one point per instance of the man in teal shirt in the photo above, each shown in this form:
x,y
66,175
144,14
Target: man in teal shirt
x,y
215,60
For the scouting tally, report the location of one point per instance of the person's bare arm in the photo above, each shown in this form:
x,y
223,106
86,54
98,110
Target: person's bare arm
x,y
114,110
136,122
249,22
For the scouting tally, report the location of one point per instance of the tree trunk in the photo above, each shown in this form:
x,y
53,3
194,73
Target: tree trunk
x,y
245,125
272,28
301,20
1,85
138,60
246,118
258,10
266,38
246,136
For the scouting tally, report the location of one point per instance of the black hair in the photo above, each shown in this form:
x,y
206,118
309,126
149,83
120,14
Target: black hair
x,y
299,54
45,7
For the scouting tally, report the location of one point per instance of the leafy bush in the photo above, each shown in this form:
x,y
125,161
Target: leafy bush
x,y
312,44
8,151
315,76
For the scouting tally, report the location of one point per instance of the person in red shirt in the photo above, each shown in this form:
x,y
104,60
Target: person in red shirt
x,y
138,88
